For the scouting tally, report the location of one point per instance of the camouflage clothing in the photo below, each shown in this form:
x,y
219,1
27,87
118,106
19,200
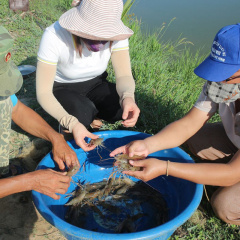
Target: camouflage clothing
x,y
10,82
6,107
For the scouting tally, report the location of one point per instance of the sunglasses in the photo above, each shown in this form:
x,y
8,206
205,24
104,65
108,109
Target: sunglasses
x,y
231,78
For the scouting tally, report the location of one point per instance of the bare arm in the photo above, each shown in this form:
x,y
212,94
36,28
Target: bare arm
x,y
47,182
32,123
209,173
202,173
178,132
171,136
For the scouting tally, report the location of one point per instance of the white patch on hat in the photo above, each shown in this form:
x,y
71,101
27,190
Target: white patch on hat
x,y
218,52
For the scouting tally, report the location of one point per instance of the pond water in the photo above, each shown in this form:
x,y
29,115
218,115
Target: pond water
x,y
197,21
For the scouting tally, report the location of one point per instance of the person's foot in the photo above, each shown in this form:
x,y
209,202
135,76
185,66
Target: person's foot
x,y
14,170
96,124
66,134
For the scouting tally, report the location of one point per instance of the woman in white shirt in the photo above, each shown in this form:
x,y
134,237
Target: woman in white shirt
x,y
71,74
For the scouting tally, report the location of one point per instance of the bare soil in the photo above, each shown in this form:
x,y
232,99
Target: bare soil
x,y
20,220
19,217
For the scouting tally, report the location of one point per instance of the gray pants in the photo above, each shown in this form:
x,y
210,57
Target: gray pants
x,y
211,143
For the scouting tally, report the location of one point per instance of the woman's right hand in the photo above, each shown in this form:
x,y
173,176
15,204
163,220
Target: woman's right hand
x,y
79,133
138,147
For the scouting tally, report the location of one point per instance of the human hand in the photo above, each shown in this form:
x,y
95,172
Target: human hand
x,y
151,168
79,133
49,182
62,153
130,112
138,147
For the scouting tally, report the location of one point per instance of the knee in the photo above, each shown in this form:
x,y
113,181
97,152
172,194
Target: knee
x,y
226,207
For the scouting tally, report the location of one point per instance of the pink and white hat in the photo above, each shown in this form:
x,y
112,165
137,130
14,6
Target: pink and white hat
x,y
96,20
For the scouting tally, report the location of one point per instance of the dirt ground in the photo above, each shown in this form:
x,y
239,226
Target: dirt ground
x,y
20,220
19,217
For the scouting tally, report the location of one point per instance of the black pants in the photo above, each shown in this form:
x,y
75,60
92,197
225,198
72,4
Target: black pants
x,y
87,100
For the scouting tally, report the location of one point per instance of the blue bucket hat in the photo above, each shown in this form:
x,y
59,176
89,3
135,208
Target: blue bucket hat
x,y
224,59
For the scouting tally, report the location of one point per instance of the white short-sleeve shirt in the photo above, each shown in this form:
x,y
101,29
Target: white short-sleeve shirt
x,y
227,113
57,47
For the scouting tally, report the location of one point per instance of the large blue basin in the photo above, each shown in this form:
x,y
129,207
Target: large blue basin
x,y
182,197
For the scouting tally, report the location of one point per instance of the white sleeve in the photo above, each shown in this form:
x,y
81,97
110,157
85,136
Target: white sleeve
x,y
120,45
205,104
50,48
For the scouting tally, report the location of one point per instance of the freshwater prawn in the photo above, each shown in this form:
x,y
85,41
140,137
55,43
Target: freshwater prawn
x,y
78,197
73,170
117,201
99,144
122,162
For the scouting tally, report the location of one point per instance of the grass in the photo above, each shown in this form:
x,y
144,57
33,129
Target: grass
x,y
166,87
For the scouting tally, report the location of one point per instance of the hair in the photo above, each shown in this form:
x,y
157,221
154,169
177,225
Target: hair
x,y
78,44
77,40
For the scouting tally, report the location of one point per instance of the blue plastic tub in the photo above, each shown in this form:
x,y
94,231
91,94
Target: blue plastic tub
x,y
182,197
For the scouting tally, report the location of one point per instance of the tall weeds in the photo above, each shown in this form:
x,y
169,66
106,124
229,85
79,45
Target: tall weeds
x,y
166,86
127,6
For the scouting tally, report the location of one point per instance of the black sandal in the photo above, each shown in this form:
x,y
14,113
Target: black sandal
x,y
14,170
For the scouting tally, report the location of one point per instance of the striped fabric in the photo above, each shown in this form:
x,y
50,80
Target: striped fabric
x,y
120,49
42,60
96,20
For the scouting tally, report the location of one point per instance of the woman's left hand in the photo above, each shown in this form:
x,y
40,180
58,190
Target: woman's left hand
x,y
130,112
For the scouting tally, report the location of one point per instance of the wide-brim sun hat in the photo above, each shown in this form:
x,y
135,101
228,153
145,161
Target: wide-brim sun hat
x,y
224,59
10,77
96,20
